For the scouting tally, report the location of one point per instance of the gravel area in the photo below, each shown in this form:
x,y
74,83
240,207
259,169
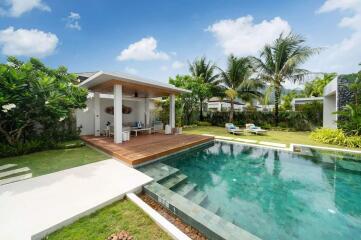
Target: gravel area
x,y
188,230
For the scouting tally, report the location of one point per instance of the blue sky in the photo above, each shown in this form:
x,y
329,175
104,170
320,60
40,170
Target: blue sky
x,y
156,39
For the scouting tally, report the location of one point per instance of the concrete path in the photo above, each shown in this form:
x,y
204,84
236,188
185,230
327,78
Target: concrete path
x,y
32,208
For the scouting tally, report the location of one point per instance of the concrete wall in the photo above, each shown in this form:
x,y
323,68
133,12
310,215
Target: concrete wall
x,y
329,107
330,104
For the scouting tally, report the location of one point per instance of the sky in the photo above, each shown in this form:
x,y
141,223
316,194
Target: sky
x,y
157,39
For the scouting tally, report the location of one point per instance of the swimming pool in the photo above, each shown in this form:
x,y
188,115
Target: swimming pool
x,y
271,194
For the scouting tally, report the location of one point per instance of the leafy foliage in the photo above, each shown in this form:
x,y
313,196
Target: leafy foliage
x,y
237,79
188,103
298,121
335,136
287,99
281,61
204,72
36,101
315,87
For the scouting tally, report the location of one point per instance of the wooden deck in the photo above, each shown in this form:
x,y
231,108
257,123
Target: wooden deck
x,y
144,148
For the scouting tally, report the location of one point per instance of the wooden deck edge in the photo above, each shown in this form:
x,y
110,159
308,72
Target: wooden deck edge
x,y
170,151
149,158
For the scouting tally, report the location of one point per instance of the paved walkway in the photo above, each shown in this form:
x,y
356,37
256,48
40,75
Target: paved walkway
x,y
31,208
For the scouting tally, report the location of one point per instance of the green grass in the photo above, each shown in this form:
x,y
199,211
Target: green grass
x,y
49,161
272,136
122,215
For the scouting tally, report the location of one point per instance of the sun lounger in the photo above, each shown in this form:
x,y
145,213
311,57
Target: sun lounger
x,y
233,129
254,129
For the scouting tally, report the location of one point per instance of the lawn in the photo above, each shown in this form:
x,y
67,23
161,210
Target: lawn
x,y
271,136
49,161
122,215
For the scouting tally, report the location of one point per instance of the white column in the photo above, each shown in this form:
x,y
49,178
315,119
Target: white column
x,y
147,112
172,110
118,113
96,114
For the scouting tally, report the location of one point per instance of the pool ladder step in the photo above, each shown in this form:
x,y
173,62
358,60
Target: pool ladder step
x,y
198,197
174,181
159,171
186,188
216,209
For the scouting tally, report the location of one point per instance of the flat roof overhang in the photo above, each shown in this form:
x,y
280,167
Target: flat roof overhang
x,y
103,82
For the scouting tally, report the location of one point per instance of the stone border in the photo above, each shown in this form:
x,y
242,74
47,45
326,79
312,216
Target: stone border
x,y
161,221
295,145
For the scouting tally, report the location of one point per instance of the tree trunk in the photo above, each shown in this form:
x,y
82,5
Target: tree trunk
x,y
201,110
231,113
277,99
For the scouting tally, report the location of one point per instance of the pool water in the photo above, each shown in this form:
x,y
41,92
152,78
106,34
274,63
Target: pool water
x,y
273,194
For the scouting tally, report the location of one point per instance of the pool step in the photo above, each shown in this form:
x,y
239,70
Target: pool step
x,y
186,188
214,208
198,197
159,171
174,181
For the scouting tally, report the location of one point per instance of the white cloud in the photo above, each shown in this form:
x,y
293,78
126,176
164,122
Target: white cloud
x,y
242,36
131,70
332,5
177,65
15,8
27,42
72,21
164,68
145,49
344,56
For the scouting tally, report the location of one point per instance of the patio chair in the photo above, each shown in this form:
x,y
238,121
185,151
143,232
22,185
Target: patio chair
x,y
254,129
231,128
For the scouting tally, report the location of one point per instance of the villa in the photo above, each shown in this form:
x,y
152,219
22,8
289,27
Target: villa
x,y
241,128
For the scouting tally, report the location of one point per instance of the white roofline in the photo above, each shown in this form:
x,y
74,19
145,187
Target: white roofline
x,y
134,79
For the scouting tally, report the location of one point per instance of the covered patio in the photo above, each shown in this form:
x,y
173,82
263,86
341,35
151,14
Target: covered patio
x,y
122,103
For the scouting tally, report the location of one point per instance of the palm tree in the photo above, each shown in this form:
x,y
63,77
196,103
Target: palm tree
x,y
237,80
281,61
205,71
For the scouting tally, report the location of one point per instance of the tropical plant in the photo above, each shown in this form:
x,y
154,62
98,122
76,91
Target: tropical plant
x,y
188,102
237,79
315,87
281,61
35,99
287,99
335,136
204,71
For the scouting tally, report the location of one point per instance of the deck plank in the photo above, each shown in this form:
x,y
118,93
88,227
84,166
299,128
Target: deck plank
x,y
144,148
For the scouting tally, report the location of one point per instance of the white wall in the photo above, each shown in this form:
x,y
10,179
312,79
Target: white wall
x,y
86,119
329,107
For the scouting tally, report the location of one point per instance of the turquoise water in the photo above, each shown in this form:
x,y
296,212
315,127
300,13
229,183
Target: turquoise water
x,y
276,194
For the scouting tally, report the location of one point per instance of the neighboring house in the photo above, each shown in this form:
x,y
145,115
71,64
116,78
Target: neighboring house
x,y
265,108
301,101
122,100
336,96
219,105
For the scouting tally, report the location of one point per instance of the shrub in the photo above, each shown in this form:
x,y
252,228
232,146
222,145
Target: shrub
x,y
204,124
298,121
336,137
